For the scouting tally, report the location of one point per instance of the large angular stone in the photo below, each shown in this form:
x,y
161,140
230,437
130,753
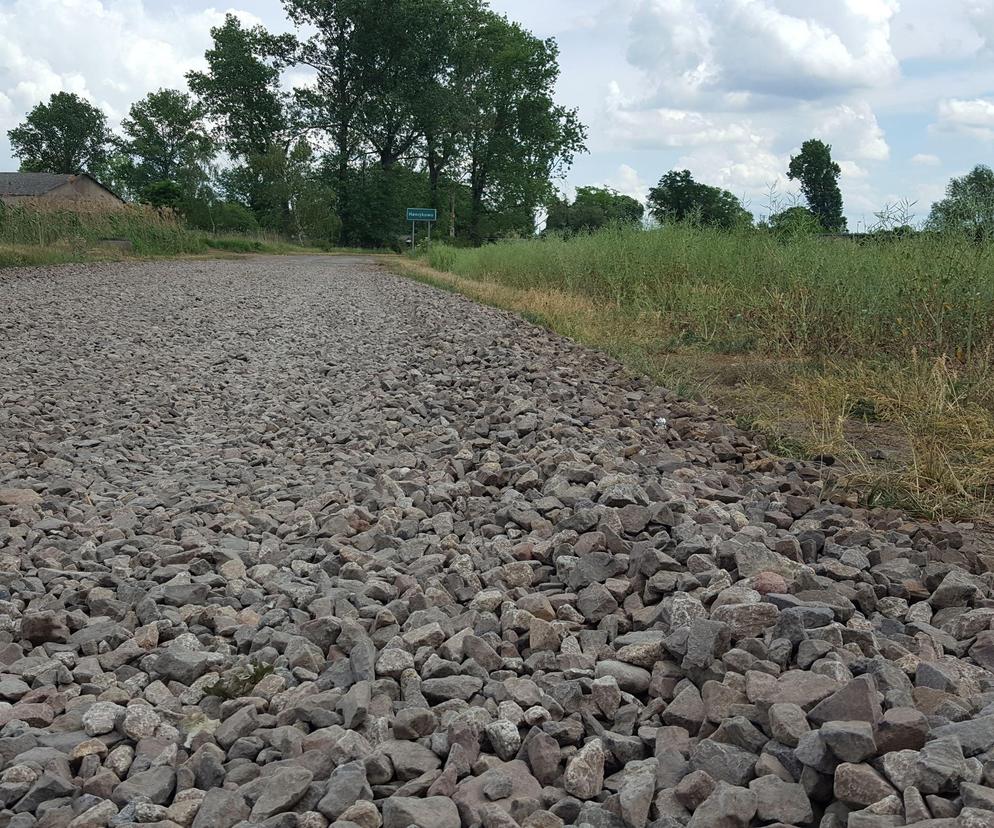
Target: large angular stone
x,y
975,735
727,807
584,775
849,741
346,786
860,785
723,762
156,785
857,701
280,792
413,812
779,801
475,792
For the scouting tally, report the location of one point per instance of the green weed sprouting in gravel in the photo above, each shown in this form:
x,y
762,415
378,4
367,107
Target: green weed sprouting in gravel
x,y
238,683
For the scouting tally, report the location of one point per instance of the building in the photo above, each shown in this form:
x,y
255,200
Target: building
x,y
56,190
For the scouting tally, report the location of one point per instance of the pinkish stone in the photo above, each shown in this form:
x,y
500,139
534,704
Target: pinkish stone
x,y
769,582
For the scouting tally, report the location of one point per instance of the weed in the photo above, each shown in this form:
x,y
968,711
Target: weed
x,y
876,355
239,683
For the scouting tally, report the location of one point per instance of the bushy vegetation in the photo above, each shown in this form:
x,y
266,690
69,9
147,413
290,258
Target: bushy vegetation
x,y
592,209
755,291
45,235
149,231
679,198
824,344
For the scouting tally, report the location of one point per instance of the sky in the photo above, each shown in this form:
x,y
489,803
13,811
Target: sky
x,y
903,90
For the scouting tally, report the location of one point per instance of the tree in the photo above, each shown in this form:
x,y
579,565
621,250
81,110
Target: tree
x,y
819,177
332,103
241,91
795,221
678,197
592,208
444,87
261,127
968,206
518,138
163,194
167,142
65,135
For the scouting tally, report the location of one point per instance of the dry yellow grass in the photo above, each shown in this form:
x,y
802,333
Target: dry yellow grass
x,y
915,433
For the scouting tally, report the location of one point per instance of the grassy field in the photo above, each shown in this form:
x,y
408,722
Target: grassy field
x,y
878,353
33,236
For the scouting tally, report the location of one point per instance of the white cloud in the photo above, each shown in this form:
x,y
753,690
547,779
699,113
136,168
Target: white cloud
x,y
779,48
852,129
973,117
633,125
980,14
924,159
628,182
852,170
111,52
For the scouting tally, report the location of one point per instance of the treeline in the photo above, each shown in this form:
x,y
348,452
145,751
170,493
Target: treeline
x,y
679,198
440,103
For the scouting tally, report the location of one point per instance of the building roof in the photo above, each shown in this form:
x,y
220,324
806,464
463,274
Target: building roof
x,y
33,185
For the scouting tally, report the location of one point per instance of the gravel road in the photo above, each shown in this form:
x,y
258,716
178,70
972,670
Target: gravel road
x,y
295,542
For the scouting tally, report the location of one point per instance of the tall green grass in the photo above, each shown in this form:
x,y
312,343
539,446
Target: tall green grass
x,y
823,345
76,232
754,292
40,234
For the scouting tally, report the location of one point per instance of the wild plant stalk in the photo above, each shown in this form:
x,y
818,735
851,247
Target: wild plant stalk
x,y
151,232
822,334
755,292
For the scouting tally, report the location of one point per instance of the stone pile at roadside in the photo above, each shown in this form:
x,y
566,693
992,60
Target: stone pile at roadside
x,y
299,544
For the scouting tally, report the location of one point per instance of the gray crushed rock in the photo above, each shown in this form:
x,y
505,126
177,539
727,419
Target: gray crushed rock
x,y
297,543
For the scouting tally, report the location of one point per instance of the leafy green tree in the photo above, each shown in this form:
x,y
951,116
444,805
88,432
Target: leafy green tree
x,y
592,208
443,112
163,194
518,138
65,135
390,88
240,90
819,177
166,141
795,221
378,198
333,102
678,197
968,206
447,84
263,129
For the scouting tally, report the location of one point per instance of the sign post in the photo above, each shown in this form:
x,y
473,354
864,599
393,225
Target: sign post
x,y
425,214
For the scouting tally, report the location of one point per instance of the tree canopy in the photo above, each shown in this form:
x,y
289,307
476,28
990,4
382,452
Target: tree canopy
x,y
408,103
166,143
66,135
819,175
447,89
794,221
968,206
593,207
678,197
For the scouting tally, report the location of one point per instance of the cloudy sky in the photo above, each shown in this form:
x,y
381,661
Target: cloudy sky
x,y
902,89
